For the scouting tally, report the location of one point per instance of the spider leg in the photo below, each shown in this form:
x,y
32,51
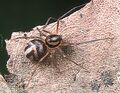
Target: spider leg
x,y
26,37
57,26
68,13
61,17
35,69
54,63
64,15
91,41
43,34
43,28
47,22
63,55
71,11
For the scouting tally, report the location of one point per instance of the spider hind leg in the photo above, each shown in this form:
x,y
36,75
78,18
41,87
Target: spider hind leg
x,y
65,56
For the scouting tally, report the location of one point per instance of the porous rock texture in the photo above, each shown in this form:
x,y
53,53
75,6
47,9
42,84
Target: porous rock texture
x,y
93,37
3,86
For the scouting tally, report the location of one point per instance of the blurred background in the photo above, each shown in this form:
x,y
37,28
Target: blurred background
x,y
23,15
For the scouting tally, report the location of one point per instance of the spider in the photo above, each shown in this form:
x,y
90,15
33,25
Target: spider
x,y
38,49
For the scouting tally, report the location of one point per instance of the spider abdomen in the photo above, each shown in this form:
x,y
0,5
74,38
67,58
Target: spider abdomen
x,y
35,50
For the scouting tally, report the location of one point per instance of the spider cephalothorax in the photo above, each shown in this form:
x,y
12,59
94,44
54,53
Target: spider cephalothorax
x,y
53,41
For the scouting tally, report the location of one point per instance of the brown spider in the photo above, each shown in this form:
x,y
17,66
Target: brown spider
x,y
37,49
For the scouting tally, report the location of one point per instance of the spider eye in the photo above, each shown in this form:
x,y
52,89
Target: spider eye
x,y
53,40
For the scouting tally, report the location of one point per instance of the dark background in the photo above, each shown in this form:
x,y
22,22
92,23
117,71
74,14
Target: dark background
x,y
23,15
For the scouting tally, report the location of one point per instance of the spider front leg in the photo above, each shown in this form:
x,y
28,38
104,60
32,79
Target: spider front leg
x,y
43,34
57,26
26,37
46,24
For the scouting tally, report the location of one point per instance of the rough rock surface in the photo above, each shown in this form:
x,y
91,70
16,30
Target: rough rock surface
x,y
94,35
3,86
